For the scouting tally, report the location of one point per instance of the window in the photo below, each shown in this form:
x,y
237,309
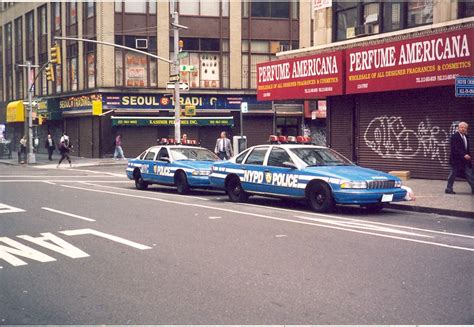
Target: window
x,y
90,9
277,157
135,70
392,16
135,7
420,12
257,156
57,15
272,9
204,8
241,157
118,6
150,155
72,13
466,8
42,21
346,18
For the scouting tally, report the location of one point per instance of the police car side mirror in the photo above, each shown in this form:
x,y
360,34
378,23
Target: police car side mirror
x,y
291,165
165,159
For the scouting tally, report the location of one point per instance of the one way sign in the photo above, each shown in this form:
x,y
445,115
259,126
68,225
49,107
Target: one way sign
x,y
182,86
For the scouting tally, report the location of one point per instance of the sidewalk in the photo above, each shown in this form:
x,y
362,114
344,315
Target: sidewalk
x,y
43,162
429,194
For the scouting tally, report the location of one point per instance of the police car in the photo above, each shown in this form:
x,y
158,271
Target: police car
x,y
183,166
318,174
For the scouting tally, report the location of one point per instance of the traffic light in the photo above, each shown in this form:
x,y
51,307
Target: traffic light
x,y
50,73
56,55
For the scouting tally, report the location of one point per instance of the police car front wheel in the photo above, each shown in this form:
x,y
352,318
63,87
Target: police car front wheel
x,y
320,197
181,182
140,184
235,191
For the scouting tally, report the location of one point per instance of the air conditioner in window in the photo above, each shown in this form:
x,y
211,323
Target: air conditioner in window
x,y
364,30
141,44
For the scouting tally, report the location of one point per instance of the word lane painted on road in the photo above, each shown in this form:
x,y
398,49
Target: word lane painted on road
x,y
11,250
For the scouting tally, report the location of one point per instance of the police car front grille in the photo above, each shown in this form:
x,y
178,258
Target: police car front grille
x,y
380,184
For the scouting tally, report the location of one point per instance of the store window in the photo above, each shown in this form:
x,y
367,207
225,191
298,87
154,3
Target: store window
x,y
204,62
392,16
19,58
466,8
1,64
56,13
135,7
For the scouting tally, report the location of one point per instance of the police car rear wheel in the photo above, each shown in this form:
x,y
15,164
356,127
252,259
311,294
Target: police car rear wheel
x,y
181,183
235,191
140,184
320,197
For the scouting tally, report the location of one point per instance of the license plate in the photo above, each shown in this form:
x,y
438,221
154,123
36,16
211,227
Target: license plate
x,y
387,197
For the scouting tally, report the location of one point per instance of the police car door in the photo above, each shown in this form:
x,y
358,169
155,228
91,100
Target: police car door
x,y
162,167
254,179
283,180
146,168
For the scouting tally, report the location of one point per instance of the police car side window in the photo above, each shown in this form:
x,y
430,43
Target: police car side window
x,y
277,157
150,155
162,154
241,157
256,156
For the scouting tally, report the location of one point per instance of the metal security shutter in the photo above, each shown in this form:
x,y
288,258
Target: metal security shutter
x,y
137,139
257,129
85,137
72,130
410,130
341,125
209,134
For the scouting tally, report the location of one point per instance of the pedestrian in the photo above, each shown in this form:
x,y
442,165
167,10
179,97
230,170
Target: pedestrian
x,y
22,150
223,147
184,139
50,146
118,147
64,148
460,158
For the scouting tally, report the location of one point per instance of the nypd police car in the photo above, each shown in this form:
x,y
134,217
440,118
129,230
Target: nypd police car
x,y
183,166
318,174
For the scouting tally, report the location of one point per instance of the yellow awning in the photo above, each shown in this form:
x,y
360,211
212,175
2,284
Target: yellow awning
x,y
15,112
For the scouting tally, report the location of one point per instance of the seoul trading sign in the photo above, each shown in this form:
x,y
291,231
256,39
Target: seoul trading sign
x,y
300,78
435,60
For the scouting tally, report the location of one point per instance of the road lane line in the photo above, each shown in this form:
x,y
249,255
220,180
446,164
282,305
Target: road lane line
x,y
57,181
4,208
122,189
275,218
48,182
55,176
67,214
357,220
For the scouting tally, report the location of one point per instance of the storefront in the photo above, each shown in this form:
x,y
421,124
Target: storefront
x,y
398,107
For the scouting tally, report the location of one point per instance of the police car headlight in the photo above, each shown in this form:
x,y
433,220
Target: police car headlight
x,y
347,185
398,183
201,173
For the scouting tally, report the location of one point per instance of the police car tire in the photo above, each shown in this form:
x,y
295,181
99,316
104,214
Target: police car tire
x,y
320,198
140,184
181,182
234,185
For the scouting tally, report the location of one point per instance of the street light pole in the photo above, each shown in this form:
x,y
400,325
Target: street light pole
x,y
177,105
31,155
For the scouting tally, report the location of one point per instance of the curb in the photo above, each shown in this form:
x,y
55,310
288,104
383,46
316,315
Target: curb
x,y
439,211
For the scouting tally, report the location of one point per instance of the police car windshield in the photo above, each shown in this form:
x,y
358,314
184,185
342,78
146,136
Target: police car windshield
x,y
321,157
192,154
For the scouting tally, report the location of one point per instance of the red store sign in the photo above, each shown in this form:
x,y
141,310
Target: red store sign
x,y
300,78
416,63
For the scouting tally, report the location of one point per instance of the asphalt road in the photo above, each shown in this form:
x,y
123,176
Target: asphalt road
x,y
82,246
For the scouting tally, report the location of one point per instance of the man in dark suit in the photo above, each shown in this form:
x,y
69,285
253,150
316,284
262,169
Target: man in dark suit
x,y
460,158
223,147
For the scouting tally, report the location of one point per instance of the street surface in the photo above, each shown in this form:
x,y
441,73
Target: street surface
x,y
83,246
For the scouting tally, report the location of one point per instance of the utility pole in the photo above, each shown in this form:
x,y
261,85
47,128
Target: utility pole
x,y
177,104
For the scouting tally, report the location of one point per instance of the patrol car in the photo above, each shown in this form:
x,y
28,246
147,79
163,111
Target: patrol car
x,y
318,174
183,166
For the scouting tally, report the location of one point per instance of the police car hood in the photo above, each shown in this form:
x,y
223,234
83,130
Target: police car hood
x,y
352,173
194,164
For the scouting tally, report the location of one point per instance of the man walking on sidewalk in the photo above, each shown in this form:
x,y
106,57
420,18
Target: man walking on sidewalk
x,y
460,158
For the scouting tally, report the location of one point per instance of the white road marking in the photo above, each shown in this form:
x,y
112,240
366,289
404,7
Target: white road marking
x,y
9,209
215,217
88,231
54,243
48,182
356,220
67,214
167,194
280,235
8,253
276,218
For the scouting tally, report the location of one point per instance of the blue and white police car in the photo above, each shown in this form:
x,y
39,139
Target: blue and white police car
x,y
318,174
183,166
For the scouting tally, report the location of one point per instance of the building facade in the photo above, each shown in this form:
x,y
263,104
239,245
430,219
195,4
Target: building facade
x,y
224,42
387,73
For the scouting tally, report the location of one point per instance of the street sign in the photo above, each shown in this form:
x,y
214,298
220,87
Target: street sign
x,y
182,86
464,86
244,107
190,110
187,68
174,78
183,54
